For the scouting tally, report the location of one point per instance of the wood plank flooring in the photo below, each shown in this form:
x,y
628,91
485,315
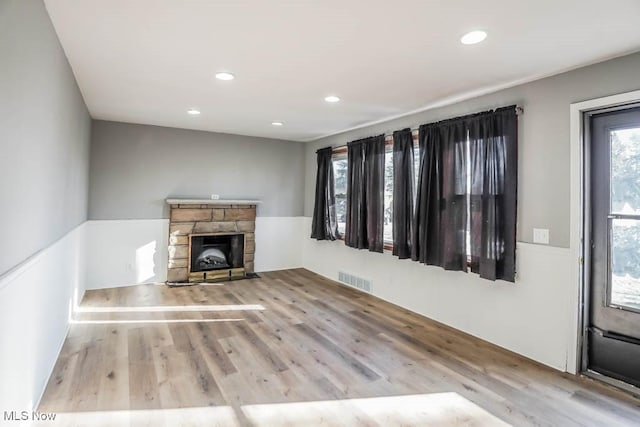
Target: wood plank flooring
x,y
293,348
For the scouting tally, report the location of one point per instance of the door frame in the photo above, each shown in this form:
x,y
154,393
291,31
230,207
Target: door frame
x,y
579,218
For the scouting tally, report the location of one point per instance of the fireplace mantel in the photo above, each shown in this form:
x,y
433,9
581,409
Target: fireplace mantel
x,y
211,202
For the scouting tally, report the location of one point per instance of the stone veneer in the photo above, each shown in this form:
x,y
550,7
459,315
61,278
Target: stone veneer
x,y
192,218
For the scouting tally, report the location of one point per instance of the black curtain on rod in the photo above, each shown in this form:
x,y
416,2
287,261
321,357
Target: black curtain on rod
x,y
365,190
324,225
493,144
440,234
355,227
402,193
426,228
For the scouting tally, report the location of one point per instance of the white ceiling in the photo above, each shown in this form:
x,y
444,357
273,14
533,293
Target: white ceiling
x,y
148,61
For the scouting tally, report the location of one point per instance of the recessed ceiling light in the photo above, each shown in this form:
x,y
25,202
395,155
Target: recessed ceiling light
x,y
331,98
193,112
277,123
473,37
223,75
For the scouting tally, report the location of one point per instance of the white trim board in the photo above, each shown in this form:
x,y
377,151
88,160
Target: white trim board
x,y
212,202
577,155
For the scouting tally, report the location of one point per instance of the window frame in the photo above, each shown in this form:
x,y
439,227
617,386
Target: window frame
x,y
388,148
339,153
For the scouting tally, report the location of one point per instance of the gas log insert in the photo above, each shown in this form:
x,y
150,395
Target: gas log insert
x,y
214,257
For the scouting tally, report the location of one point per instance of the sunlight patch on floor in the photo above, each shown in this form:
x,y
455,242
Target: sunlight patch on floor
x,y
436,409
221,416
170,308
135,321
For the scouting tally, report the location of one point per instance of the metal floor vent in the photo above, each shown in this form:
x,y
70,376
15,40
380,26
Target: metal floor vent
x,y
355,282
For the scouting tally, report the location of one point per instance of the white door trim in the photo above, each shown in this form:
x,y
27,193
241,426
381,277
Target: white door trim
x,y
577,213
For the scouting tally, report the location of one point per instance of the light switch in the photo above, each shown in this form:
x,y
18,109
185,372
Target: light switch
x,y
541,235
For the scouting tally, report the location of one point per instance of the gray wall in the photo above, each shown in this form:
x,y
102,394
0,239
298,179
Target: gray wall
x,y
44,135
543,188
135,167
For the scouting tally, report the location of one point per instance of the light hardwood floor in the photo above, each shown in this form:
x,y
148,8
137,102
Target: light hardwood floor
x,y
293,348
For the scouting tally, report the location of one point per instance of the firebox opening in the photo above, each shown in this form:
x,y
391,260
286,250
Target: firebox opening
x,y
216,252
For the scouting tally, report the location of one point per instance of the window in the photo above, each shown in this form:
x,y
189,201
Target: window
x,y
388,185
340,177
483,194
625,218
340,186
388,193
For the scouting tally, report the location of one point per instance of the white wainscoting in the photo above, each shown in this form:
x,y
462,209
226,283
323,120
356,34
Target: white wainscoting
x,y
279,242
129,252
37,298
531,317
126,252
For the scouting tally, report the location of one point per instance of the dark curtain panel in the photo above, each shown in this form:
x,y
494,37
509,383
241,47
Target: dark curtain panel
x,y
441,209
355,229
324,225
365,189
493,139
402,193
374,176
453,220
426,224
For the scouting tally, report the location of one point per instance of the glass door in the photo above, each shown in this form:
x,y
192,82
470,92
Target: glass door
x,y
613,327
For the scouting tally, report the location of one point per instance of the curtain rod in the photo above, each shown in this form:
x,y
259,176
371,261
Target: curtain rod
x,y
389,134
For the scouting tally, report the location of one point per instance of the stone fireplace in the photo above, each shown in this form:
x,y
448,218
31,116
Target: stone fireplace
x,y
211,240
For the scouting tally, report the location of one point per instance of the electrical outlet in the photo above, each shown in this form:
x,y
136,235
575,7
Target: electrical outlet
x,y
541,235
